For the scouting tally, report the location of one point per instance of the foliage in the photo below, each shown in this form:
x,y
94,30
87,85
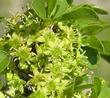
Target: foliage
x,y
48,51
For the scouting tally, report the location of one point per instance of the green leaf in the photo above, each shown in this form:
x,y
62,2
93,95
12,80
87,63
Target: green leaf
x,y
4,60
51,5
106,45
93,56
96,88
100,11
106,57
69,91
37,94
80,13
106,52
82,87
92,29
1,18
2,81
61,8
105,92
94,42
39,8
70,2
54,7
1,84
51,86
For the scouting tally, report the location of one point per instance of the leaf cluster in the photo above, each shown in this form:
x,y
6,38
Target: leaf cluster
x,y
48,51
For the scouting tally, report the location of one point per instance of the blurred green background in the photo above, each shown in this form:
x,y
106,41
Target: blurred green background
x,y
11,7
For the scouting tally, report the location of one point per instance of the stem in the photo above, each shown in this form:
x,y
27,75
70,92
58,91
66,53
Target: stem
x,y
77,44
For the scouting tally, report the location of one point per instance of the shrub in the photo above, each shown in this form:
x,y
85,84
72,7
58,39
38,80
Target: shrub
x,y
48,51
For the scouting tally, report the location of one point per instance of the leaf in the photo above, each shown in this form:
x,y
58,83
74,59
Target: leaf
x,y
55,7
1,84
70,2
51,5
82,87
61,7
96,88
4,60
94,42
93,56
100,11
39,8
106,45
81,80
1,18
105,92
106,57
51,86
80,13
69,91
92,29
37,94
2,81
